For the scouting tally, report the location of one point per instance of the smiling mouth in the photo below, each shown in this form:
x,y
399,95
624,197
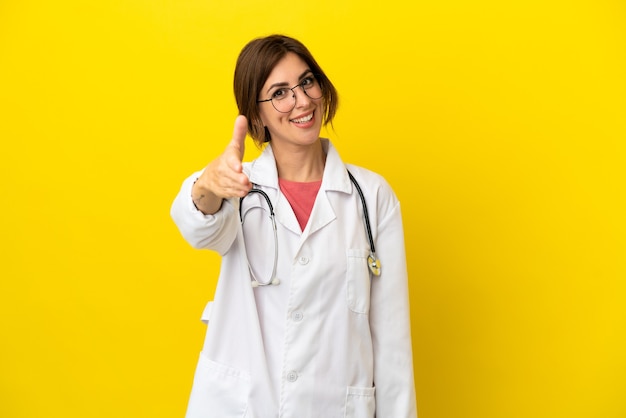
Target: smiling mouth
x,y
303,119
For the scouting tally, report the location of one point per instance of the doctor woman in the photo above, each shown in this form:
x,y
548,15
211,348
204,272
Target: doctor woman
x,y
309,320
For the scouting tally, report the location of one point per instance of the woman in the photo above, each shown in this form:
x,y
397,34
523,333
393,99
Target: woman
x,y
300,326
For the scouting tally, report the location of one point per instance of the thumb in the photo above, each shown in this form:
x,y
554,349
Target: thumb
x,y
239,135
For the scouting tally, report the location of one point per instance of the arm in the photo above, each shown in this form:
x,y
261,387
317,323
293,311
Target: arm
x,y
390,324
203,209
214,232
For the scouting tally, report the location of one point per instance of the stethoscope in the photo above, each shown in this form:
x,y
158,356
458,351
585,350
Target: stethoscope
x,y
372,261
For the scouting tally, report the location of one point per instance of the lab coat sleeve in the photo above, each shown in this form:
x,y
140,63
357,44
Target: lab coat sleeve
x,y
390,320
215,232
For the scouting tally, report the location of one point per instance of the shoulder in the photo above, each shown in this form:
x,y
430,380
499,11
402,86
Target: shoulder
x,y
374,187
369,178
366,178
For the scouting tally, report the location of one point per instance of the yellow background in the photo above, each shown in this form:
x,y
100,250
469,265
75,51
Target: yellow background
x,y
500,124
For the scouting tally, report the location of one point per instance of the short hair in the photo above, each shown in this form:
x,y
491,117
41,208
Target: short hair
x,y
254,65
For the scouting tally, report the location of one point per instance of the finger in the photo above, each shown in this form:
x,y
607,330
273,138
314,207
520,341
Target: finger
x,y
239,135
238,185
239,190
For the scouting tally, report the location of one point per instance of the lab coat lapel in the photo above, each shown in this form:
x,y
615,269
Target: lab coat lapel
x,y
285,215
263,172
321,215
335,180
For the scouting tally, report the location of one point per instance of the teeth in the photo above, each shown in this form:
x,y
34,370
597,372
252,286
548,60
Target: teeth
x,y
304,119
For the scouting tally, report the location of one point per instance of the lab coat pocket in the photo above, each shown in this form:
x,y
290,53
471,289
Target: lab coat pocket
x,y
358,281
218,391
360,402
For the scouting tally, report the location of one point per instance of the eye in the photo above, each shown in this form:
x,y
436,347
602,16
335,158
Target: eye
x,y
308,81
280,94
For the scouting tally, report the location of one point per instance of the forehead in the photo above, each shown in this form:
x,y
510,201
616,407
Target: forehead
x,y
287,70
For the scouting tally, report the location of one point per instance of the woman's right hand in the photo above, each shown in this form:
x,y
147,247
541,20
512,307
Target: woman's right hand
x,y
223,178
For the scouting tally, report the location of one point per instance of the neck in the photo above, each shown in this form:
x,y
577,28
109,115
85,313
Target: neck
x,y
301,164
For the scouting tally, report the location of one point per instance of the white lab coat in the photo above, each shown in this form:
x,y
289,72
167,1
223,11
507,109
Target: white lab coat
x,y
331,340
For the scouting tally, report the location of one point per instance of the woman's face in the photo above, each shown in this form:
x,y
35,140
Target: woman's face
x,y
302,124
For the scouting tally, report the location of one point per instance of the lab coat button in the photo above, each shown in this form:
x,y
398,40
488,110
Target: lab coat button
x,y
303,260
297,316
292,376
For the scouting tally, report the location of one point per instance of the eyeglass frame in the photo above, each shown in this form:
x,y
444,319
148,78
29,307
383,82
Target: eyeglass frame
x,y
316,79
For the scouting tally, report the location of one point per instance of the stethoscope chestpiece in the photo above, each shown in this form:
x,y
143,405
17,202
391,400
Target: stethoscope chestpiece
x,y
374,264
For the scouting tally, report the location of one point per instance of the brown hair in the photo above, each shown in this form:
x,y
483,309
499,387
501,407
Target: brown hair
x,y
254,65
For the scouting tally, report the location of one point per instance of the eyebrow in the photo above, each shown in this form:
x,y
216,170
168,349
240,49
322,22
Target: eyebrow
x,y
285,84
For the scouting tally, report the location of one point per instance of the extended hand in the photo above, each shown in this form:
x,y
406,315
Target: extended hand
x,y
224,178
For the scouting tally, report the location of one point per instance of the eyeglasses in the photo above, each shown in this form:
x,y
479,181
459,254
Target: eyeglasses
x,y
285,102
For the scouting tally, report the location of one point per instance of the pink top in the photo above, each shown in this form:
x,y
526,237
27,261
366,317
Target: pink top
x,y
301,197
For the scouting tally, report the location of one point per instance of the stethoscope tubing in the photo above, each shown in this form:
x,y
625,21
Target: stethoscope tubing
x,y
373,261
273,279
366,215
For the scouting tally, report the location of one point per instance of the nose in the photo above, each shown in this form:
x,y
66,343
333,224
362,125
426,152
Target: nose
x,y
300,97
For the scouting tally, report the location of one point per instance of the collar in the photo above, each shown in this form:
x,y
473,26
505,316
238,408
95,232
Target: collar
x,y
262,171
